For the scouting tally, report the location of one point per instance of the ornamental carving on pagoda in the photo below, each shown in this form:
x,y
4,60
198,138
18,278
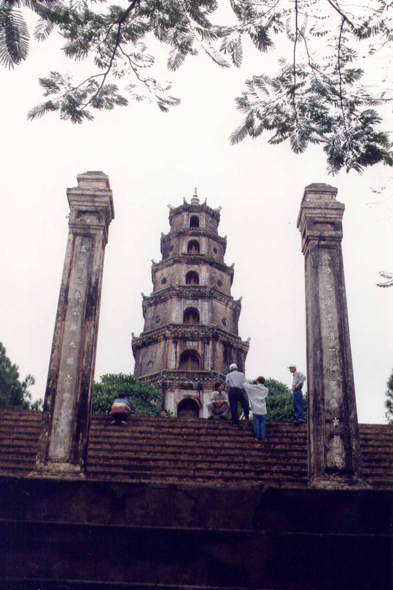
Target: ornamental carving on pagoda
x,y
190,334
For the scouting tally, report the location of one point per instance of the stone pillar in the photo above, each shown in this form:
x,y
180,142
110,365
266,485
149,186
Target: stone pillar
x,y
67,407
334,458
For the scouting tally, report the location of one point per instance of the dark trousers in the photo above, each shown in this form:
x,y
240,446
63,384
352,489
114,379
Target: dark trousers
x,y
237,395
120,417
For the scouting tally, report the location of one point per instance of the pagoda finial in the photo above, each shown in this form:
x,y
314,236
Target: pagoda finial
x,y
195,198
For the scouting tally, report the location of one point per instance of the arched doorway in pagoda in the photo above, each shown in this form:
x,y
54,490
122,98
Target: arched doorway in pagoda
x,y
189,361
188,408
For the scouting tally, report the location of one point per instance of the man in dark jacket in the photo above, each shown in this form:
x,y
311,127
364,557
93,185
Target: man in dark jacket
x,y
235,380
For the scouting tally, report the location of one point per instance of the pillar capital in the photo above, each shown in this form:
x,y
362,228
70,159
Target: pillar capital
x,y
320,215
91,204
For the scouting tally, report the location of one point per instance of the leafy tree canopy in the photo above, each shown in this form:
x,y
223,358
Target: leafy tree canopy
x,y
389,400
319,92
280,402
145,400
14,394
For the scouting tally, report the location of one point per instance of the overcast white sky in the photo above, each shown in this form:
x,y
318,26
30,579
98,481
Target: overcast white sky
x,y
154,159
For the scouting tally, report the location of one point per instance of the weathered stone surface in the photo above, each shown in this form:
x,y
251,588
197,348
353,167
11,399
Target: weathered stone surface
x,y
82,534
333,436
68,393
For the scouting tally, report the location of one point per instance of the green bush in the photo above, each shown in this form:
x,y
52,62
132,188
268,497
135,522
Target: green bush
x,y
145,400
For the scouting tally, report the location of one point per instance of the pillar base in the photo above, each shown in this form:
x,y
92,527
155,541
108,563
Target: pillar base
x,y
339,482
56,470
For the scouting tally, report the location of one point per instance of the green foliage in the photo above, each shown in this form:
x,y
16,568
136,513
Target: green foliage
x,y
316,96
145,400
280,402
14,36
389,400
389,282
14,394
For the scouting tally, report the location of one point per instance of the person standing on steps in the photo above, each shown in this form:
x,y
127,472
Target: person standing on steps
x,y
218,404
235,380
297,385
257,394
121,409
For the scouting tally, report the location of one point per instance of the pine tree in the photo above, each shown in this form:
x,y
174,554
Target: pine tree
x,y
14,394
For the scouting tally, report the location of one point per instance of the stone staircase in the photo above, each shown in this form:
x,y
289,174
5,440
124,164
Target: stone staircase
x,y
178,504
172,450
202,451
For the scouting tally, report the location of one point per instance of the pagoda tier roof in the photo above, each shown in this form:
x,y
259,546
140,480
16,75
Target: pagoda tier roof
x,y
191,292
181,378
195,231
194,259
194,208
190,332
174,450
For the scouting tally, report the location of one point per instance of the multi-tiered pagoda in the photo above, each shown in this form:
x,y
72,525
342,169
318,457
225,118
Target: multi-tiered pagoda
x,y
190,335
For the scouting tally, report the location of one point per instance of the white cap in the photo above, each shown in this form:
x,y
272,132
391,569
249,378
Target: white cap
x,y
293,365
232,367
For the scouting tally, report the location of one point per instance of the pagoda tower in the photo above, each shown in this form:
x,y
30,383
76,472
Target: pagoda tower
x,y
190,334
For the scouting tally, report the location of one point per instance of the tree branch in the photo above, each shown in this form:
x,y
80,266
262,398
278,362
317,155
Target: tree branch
x,y
121,20
134,69
343,16
340,81
294,55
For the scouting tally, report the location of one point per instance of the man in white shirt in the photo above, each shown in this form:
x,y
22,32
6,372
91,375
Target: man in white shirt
x,y
218,404
257,394
297,384
235,380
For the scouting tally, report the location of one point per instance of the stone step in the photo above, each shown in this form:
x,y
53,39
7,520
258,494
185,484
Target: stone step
x,y
180,434
191,438
18,416
191,424
184,466
157,453
269,478
10,468
198,430
248,452
17,451
377,458
166,446
20,430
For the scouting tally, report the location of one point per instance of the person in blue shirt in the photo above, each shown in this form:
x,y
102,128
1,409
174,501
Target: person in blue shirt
x,y
121,409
